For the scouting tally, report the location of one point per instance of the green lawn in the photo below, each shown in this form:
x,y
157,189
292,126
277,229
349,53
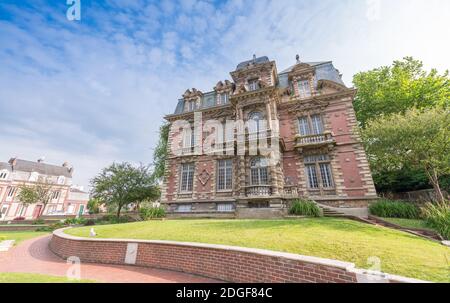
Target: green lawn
x,y
408,223
36,278
400,253
20,236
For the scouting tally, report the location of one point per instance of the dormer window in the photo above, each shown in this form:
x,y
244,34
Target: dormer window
x,y
61,180
304,88
253,85
191,106
223,98
4,174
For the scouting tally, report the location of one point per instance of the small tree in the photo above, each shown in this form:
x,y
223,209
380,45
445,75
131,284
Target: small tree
x,y
93,206
120,185
160,152
40,192
416,138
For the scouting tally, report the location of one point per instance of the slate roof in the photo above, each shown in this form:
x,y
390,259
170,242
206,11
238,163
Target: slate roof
x,y
324,71
41,168
259,60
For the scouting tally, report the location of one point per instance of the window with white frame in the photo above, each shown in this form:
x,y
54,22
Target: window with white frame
x,y
184,208
56,195
223,98
11,191
304,88
188,138
310,125
225,207
4,174
318,171
259,172
253,85
255,122
61,180
225,175
187,177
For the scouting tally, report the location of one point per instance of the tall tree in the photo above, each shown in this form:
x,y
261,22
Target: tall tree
x,y
419,139
399,87
160,152
122,184
41,192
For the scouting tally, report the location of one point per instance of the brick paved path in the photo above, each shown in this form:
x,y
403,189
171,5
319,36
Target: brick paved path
x,y
34,256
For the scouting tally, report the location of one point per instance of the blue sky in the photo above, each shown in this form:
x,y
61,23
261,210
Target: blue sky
x,y
94,91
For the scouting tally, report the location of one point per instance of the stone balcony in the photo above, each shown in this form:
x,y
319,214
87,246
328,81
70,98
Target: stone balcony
x,y
313,141
258,191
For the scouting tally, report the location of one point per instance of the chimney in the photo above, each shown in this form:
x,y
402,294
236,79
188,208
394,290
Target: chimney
x,y
12,162
65,164
254,58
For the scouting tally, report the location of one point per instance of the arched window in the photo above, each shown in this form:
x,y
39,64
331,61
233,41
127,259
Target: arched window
x,y
256,122
259,173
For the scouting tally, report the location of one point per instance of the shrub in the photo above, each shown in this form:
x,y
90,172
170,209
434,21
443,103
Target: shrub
x,y
75,221
147,213
437,216
394,209
52,227
38,222
303,207
19,219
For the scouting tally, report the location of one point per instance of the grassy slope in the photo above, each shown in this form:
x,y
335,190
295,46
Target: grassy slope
x,y
411,223
20,236
35,278
340,239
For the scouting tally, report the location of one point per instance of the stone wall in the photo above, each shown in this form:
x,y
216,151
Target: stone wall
x,y
226,263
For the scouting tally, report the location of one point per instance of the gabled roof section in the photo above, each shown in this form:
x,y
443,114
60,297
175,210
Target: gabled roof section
x,y
324,71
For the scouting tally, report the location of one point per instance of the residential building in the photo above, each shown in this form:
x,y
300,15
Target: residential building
x,y
307,118
66,198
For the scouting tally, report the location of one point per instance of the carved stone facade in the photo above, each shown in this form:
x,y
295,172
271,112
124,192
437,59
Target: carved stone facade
x,y
307,108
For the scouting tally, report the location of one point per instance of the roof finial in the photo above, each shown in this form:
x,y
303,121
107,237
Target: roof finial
x,y
297,58
254,57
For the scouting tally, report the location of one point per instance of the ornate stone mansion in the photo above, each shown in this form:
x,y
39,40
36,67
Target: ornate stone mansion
x,y
307,108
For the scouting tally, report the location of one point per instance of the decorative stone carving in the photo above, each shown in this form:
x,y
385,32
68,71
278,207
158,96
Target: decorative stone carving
x,y
204,177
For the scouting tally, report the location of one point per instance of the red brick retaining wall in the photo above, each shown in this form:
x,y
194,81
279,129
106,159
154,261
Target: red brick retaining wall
x,y
232,264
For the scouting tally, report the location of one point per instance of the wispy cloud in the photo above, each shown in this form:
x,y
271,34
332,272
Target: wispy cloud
x,y
95,91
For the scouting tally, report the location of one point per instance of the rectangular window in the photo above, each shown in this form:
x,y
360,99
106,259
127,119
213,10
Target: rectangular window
x,y
225,207
325,172
187,177
11,191
312,125
253,85
225,174
55,195
317,126
191,105
312,176
304,89
223,98
184,208
318,171
188,138
303,126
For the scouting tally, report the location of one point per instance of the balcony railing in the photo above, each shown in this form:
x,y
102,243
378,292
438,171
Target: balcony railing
x,y
258,191
314,140
290,192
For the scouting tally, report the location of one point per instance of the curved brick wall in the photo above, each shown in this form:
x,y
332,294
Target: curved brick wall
x,y
227,263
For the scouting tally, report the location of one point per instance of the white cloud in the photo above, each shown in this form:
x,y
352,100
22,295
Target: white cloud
x,y
95,92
